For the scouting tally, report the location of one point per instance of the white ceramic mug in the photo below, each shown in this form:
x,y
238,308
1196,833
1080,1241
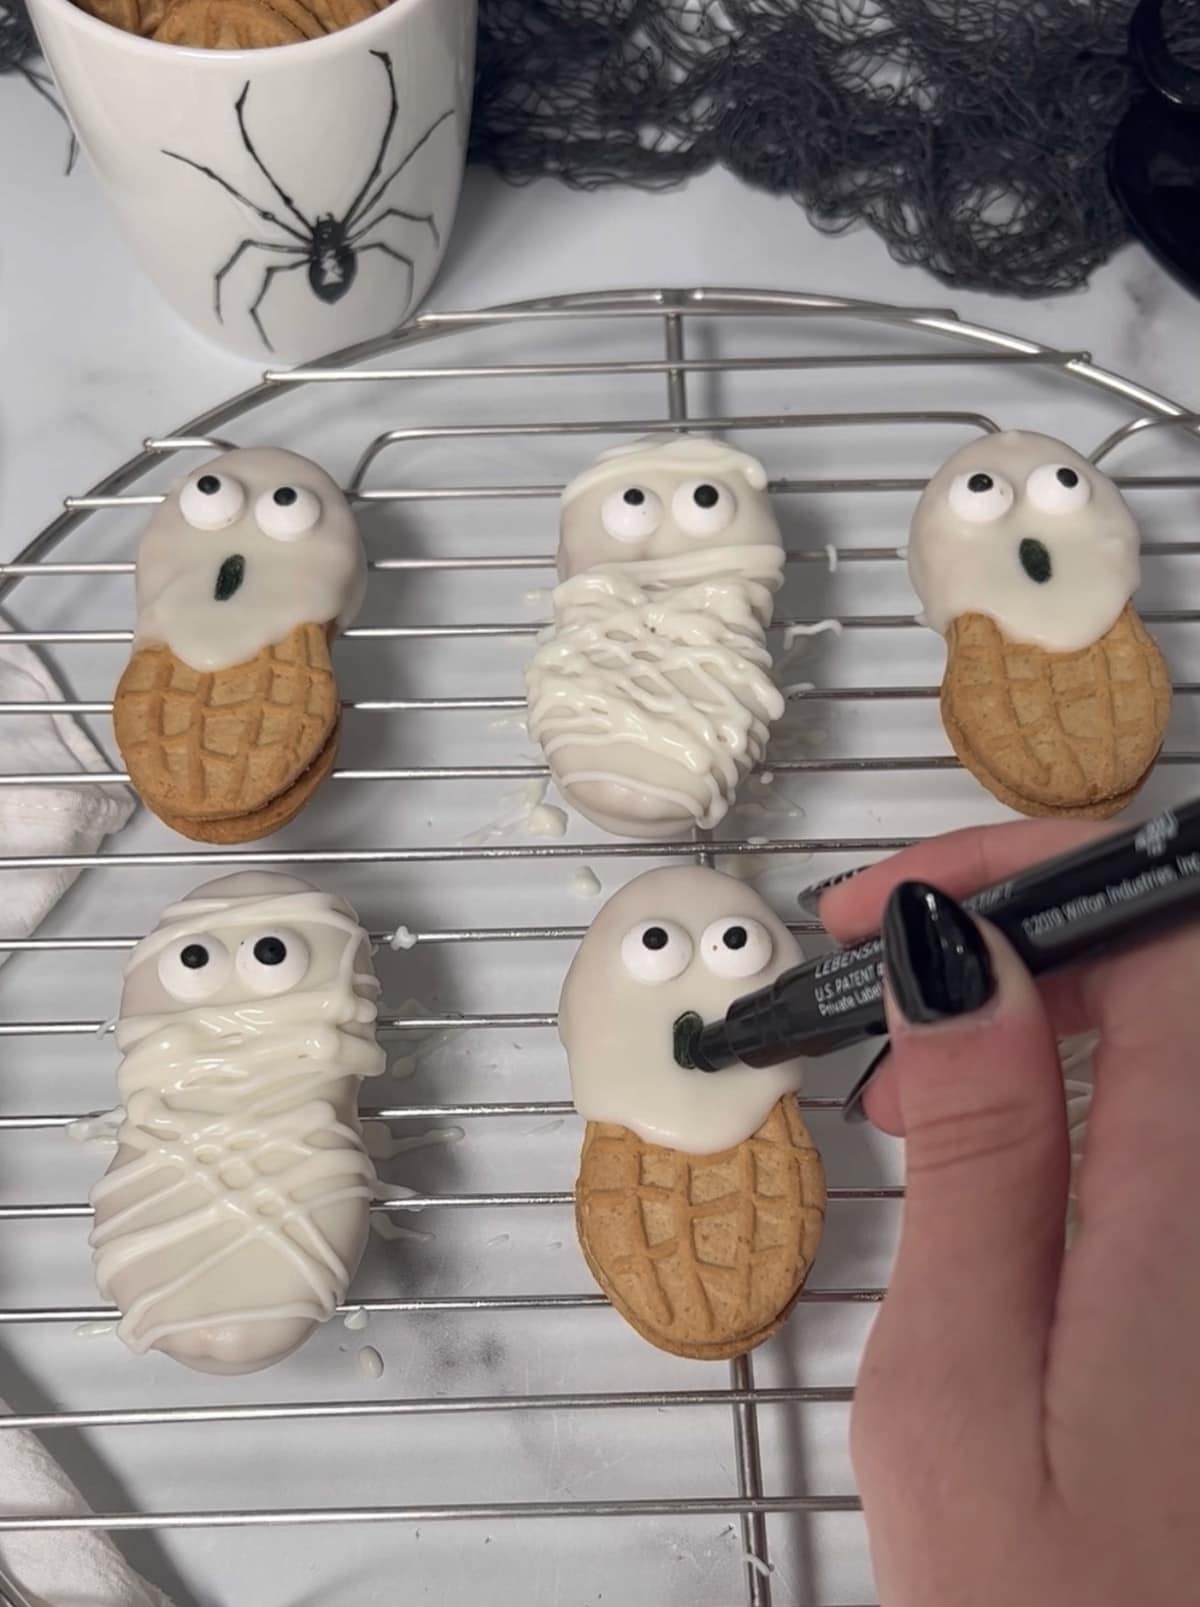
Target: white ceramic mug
x,y
287,201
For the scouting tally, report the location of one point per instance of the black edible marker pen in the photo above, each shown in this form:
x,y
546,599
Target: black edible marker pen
x,y
1132,885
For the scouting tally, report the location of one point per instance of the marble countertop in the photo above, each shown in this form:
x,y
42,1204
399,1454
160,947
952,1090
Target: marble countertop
x,y
91,360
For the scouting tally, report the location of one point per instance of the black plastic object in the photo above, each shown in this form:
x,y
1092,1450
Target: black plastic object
x,y
1154,156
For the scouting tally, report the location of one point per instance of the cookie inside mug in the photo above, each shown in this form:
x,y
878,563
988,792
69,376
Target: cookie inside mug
x,y
232,24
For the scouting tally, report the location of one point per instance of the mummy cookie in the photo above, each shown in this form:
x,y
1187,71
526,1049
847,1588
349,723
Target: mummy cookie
x,y
227,714
235,1211
651,691
1025,557
700,1198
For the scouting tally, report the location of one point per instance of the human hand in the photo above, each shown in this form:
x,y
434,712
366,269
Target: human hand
x,y
1026,1428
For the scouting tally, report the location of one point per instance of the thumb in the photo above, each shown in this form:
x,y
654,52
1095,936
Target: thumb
x,y
980,1092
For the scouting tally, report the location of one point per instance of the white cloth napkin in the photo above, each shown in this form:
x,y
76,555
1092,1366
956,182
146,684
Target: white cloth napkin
x,y
48,819
59,1568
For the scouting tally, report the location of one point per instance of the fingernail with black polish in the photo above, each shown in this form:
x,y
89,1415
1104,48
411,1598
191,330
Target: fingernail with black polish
x,y
809,898
852,1105
937,961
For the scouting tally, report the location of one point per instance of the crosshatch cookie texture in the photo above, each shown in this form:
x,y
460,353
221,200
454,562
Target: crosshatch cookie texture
x,y
1026,557
1056,733
225,743
228,714
231,24
700,1198
704,1255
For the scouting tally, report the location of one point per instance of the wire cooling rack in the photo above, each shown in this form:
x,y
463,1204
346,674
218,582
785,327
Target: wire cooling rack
x,y
520,1444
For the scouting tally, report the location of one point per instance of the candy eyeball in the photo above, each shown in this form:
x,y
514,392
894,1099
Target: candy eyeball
x,y
631,514
287,513
736,946
703,507
192,968
1058,488
980,497
273,961
211,501
656,951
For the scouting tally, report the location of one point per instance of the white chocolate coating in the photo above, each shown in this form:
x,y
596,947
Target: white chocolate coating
x,y
618,1030
315,576
235,1211
651,691
660,465
965,560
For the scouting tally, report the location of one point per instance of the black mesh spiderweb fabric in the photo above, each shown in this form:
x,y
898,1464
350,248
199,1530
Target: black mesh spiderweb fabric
x,y
970,134
18,50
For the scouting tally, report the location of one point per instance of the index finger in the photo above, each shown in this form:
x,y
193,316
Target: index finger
x,y
960,863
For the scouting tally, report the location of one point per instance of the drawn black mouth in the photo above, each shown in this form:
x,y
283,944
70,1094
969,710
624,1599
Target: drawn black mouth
x,y
229,577
1035,560
686,1030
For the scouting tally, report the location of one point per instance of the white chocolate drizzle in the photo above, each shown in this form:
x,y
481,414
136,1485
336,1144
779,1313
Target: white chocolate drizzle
x,y
793,633
247,1108
665,657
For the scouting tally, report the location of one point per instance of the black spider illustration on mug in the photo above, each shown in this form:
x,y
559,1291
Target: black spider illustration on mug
x,y
326,245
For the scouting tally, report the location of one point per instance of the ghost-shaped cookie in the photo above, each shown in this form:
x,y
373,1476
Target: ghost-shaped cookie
x,y
1026,558
651,691
700,1197
235,1210
227,714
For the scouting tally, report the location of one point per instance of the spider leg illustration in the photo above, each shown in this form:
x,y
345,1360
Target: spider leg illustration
x,y
247,245
267,217
393,110
395,212
364,207
268,278
379,245
43,85
240,108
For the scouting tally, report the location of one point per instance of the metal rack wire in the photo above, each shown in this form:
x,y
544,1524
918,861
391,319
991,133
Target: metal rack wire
x,y
885,345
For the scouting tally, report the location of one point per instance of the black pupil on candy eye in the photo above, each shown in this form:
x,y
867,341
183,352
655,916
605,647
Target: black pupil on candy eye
x,y
654,938
194,957
285,496
270,951
208,485
734,937
980,483
706,496
634,497
1067,477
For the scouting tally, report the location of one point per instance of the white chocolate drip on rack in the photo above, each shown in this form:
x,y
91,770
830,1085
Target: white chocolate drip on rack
x,y
236,1208
660,660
